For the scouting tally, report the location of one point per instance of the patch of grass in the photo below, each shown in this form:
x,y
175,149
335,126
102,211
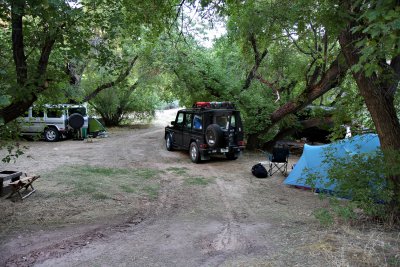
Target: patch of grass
x,y
393,261
127,189
197,181
146,173
99,196
178,170
91,170
151,191
101,183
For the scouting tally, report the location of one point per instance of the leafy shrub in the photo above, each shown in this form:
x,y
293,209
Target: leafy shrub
x,y
364,179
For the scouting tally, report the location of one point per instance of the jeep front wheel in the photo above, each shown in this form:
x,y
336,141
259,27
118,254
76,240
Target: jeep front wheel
x,y
168,143
194,152
51,134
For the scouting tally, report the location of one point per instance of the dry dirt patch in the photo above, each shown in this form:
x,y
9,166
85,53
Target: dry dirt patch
x,y
125,200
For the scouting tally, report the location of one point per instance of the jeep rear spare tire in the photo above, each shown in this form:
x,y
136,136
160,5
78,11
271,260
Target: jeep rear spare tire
x,y
76,121
214,135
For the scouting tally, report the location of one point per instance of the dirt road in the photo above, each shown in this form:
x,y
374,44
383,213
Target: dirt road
x,y
232,219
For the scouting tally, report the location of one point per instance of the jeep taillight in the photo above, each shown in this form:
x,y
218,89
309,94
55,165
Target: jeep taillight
x,y
241,143
203,145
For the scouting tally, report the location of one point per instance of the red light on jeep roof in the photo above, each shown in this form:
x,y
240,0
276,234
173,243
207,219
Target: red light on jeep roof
x,y
202,104
224,104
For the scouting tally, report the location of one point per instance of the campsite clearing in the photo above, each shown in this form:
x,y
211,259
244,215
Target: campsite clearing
x,y
127,201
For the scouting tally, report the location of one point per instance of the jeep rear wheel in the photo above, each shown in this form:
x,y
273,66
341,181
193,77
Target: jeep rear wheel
x,y
214,135
194,152
51,134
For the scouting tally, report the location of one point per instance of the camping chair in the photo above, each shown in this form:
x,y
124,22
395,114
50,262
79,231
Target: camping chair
x,y
23,183
278,160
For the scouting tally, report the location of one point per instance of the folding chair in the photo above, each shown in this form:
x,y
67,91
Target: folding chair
x,y
278,160
23,183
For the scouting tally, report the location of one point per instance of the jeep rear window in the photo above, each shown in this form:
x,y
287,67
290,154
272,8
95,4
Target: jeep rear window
x,y
80,110
222,121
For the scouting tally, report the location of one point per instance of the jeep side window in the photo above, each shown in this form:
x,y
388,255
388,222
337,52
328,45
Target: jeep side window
x,y
197,122
37,113
233,121
179,119
188,121
54,113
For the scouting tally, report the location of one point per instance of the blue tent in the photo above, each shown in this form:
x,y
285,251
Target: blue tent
x,y
313,157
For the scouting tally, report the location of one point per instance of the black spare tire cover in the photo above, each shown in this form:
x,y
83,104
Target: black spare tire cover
x,y
76,121
213,135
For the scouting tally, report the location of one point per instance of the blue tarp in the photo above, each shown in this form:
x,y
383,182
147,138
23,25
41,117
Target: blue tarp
x,y
313,157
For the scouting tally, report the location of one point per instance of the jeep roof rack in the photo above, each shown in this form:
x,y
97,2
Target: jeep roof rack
x,y
214,105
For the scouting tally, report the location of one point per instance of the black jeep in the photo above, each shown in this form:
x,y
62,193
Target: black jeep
x,y
209,128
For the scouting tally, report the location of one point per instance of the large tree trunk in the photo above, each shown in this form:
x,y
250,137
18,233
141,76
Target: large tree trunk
x,y
331,79
17,13
378,93
29,89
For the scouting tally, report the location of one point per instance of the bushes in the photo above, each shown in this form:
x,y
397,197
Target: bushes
x,y
366,179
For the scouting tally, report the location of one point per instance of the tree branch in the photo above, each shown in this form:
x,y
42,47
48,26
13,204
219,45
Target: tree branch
x,y
257,62
271,85
298,46
331,79
119,79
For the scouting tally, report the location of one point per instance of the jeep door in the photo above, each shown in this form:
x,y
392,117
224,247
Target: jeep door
x,y
56,117
177,135
36,122
187,130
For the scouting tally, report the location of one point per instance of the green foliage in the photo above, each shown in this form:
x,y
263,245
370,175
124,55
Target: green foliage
x,y
9,134
324,217
379,24
256,108
364,178
127,104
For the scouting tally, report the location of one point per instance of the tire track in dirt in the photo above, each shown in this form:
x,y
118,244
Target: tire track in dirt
x,y
241,231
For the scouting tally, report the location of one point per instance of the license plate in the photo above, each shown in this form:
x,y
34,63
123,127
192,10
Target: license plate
x,y
223,150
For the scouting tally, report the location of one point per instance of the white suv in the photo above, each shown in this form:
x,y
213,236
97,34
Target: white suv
x,y
55,121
